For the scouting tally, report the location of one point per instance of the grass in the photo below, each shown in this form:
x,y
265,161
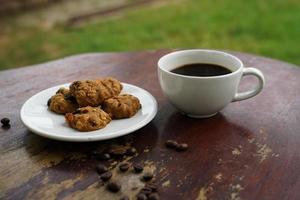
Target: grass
x,y
266,27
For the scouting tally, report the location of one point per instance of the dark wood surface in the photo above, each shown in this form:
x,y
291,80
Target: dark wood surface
x,y
250,150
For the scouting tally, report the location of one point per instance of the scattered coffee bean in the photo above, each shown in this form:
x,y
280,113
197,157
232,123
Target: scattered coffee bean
x,y
171,144
103,156
124,198
113,187
117,151
106,176
49,102
131,151
138,168
141,196
101,169
153,196
153,186
182,147
147,176
5,121
124,167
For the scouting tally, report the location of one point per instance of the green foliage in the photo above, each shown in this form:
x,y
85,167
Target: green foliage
x,y
266,27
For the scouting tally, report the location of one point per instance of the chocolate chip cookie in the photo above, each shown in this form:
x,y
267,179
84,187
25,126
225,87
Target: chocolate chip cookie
x,y
122,106
94,92
88,119
62,102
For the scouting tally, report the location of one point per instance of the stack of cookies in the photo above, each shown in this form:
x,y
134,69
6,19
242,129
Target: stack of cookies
x,y
91,104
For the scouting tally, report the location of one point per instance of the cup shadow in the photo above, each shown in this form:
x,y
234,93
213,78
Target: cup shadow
x,y
204,130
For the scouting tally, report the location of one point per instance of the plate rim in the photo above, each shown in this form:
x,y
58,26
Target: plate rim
x,y
88,138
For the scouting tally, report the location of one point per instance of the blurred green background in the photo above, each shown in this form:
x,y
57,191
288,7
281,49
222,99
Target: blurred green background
x,y
265,27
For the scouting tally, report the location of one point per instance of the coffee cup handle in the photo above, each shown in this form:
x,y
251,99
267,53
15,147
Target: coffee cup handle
x,y
259,86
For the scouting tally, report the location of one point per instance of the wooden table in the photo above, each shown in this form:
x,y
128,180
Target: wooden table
x,y
247,151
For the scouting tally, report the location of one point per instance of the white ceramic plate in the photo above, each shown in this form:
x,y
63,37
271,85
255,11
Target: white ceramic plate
x,y
36,116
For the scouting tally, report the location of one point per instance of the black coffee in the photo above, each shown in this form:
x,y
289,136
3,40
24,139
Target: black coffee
x,y
201,69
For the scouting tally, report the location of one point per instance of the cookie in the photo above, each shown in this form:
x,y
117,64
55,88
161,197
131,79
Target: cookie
x,y
62,102
88,119
94,92
122,106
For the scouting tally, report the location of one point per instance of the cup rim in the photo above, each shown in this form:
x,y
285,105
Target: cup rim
x,y
241,65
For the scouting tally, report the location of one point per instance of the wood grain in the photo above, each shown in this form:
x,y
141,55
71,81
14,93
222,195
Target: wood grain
x,y
248,151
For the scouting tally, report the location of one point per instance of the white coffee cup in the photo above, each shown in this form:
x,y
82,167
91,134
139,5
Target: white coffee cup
x,y
203,97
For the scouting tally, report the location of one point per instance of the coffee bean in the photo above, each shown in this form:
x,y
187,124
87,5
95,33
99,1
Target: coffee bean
x,y
106,176
182,147
141,196
113,187
153,196
124,198
131,151
147,176
171,144
138,168
103,156
5,121
49,102
117,151
101,169
153,186
124,167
